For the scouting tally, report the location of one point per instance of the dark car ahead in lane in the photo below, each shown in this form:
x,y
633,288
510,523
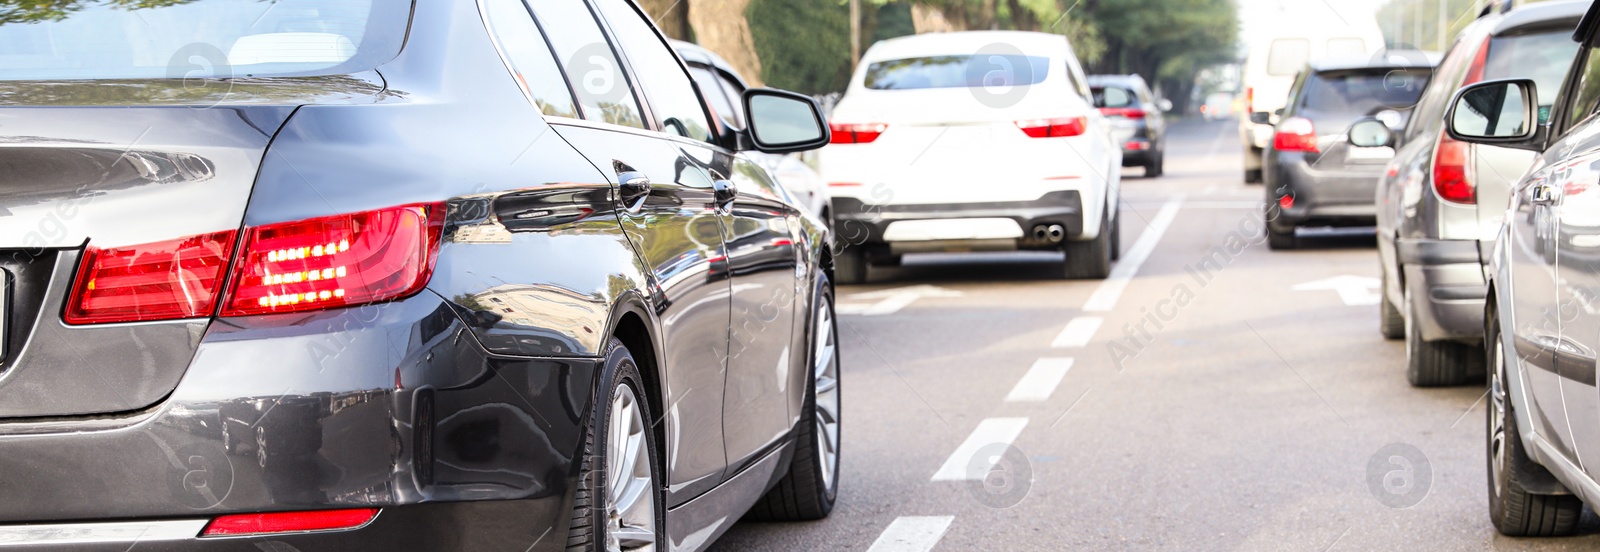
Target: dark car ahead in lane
x,y
394,275
1441,200
1543,331
1136,118
1314,176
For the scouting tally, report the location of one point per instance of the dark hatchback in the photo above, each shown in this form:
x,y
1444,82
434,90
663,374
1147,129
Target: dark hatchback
x,y
1314,177
393,275
1136,118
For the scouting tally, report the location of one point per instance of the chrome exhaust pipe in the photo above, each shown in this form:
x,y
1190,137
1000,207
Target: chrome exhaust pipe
x,y
1056,233
1040,233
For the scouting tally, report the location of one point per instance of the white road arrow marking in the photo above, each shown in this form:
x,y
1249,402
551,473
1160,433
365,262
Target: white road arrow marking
x,y
1353,290
892,300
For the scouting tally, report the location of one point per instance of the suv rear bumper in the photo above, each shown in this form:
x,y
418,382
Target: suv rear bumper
x,y
1322,196
861,223
1446,278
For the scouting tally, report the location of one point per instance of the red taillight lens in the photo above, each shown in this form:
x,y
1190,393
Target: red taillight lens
x,y
1296,134
336,261
856,133
288,522
1129,112
1450,177
1250,100
155,281
1053,128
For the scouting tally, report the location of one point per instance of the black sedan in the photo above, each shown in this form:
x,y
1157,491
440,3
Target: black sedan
x,y
395,275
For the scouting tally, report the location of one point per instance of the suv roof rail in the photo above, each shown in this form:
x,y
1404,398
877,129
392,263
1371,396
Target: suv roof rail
x,y
1497,6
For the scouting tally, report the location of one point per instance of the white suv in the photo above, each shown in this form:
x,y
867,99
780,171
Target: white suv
x,y
984,140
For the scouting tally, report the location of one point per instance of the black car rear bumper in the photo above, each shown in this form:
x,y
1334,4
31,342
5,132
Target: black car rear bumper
x,y
861,223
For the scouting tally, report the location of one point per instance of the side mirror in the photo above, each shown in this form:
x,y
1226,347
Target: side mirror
x,y
1370,133
1501,113
783,122
1164,104
1261,117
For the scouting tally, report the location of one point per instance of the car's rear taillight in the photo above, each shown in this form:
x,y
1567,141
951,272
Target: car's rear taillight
x,y
856,133
1128,112
1450,178
288,522
155,281
1296,134
1059,127
336,261
1250,100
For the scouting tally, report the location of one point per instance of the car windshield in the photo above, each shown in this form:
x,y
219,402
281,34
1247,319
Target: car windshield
x,y
1364,92
145,39
1543,57
957,72
1111,96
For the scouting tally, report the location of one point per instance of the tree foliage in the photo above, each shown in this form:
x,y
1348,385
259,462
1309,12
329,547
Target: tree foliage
x,y
37,11
1165,41
804,45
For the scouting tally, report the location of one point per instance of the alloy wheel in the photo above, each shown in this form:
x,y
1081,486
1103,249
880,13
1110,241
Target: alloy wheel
x,y
630,485
825,374
1498,407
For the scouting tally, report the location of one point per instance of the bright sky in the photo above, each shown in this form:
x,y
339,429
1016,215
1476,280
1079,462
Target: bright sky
x,y
1258,14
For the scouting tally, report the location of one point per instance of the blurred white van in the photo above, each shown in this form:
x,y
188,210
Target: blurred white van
x,y
1277,56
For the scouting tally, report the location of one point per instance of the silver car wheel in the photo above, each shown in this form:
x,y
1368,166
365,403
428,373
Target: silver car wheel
x,y
825,373
1497,416
630,485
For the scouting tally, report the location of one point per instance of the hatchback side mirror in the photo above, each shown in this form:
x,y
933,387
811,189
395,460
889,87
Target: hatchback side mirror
x,y
781,121
1164,104
1370,133
1500,113
1261,117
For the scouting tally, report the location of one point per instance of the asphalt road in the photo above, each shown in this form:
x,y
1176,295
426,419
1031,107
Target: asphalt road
x,y
1243,414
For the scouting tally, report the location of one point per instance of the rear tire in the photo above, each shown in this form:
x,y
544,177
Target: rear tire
x,y
1153,168
1252,176
1391,323
850,266
1279,240
1090,260
1513,510
809,489
638,523
1116,234
1436,363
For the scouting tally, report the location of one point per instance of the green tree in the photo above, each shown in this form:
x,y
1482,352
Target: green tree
x,y
36,11
1165,41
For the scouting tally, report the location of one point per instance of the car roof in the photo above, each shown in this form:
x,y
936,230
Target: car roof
x,y
1388,59
966,43
1544,14
694,53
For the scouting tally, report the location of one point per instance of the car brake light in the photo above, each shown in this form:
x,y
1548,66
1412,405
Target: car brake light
x,y
336,261
856,133
1053,128
155,281
1129,112
1296,134
1250,100
288,522
1450,177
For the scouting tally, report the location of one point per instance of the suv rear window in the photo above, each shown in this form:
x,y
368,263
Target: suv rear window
x,y
1364,92
118,39
1543,57
957,72
1287,56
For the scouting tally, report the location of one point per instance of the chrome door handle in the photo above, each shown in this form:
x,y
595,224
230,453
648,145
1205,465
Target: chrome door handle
x,y
1543,195
725,191
632,187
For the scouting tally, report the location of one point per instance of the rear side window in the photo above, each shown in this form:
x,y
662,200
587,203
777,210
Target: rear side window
x,y
666,86
957,72
1287,56
1111,96
1543,57
530,60
1346,48
118,39
596,76
1364,93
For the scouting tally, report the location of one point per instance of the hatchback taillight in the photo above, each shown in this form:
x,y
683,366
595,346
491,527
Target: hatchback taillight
x,y
155,281
1128,112
1450,178
856,133
1059,127
1296,134
336,261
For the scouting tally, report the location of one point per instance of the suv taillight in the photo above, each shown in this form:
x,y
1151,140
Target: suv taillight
x,y
1450,178
318,263
1053,128
856,133
1296,134
1128,112
336,261
155,281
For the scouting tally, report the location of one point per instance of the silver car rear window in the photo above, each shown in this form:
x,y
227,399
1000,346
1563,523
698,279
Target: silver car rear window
x,y
76,40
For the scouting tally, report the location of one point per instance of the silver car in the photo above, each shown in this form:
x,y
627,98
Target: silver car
x,y
1441,200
